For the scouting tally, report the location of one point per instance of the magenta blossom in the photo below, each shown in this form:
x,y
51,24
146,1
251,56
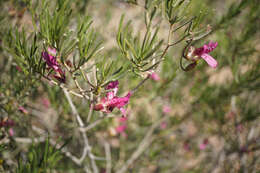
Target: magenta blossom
x,y
50,59
154,76
195,54
121,128
111,101
112,85
7,123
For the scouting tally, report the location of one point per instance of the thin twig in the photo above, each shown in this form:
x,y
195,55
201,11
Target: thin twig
x,y
87,148
63,87
147,140
76,82
108,157
140,84
90,108
95,123
86,78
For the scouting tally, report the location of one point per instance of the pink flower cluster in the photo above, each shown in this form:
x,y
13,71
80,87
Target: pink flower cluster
x,y
111,101
50,59
194,54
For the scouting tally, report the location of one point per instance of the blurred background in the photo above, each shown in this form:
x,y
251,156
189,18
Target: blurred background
x,y
203,120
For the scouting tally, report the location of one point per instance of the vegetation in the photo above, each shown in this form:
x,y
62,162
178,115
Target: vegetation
x,y
129,86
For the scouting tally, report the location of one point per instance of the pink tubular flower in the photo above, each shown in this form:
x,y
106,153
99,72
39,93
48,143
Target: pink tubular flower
x,y
154,76
111,101
112,85
50,58
195,54
23,110
204,144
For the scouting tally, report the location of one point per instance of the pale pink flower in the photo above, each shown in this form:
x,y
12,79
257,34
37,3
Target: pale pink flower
x,y
166,109
46,102
11,132
121,128
163,125
204,144
23,110
154,76
111,101
52,51
195,54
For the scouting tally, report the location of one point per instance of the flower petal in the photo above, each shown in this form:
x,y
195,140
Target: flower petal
x,y
52,51
211,46
50,60
154,76
110,95
112,85
210,60
121,128
98,107
206,48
